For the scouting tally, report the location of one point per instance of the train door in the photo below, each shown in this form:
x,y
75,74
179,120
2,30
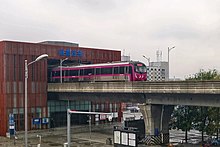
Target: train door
x,y
81,75
116,73
97,73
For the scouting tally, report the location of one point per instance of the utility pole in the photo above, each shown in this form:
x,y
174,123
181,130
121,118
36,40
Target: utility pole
x,y
169,49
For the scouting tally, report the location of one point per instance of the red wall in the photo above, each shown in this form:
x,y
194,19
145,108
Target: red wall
x,y
3,116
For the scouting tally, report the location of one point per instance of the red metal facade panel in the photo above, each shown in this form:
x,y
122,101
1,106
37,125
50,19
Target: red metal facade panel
x,y
3,117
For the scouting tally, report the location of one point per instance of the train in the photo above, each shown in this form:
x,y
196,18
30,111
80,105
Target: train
x,y
114,71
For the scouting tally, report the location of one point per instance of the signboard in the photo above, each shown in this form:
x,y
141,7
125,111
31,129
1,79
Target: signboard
x,y
45,120
70,53
11,122
132,139
117,137
125,137
36,121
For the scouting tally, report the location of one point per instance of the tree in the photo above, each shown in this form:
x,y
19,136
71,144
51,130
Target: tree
x,y
208,118
205,75
204,119
183,118
201,120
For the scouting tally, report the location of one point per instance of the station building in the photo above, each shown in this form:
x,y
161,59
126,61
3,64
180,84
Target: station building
x,y
12,77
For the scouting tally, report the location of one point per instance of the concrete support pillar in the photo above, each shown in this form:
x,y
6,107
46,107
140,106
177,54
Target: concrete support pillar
x,y
167,111
156,120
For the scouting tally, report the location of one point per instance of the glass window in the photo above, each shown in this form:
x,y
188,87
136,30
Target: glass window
x,y
141,69
21,111
38,112
56,73
110,107
77,107
121,70
67,72
128,69
52,108
98,71
116,70
81,72
74,73
15,100
102,107
15,111
82,107
63,108
106,70
97,107
89,71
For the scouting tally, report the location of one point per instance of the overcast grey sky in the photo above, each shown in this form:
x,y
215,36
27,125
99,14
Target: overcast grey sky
x,y
139,27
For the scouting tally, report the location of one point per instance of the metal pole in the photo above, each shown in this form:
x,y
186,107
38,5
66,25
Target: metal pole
x,y
61,61
25,92
169,49
148,59
68,126
25,99
90,129
168,64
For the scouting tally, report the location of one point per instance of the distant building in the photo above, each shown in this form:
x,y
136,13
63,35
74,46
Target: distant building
x,y
157,71
125,58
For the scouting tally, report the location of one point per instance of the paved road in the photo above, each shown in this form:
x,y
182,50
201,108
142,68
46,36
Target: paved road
x,y
80,137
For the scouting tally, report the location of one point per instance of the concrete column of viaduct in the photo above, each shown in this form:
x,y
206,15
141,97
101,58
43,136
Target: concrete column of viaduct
x,y
156,119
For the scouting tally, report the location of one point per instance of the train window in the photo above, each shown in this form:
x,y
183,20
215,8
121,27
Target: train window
x,y
140,68
127,69
56,73
63,73
98,71
106,70
67,72
130,69
121,70
81,72
116,70
74,73
89,71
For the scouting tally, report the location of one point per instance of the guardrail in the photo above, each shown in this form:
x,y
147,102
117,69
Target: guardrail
x,y
206,87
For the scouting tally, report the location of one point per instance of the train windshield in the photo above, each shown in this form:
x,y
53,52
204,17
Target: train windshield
x,y
140,68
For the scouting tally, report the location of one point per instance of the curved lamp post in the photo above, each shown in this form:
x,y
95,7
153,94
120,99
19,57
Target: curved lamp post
x,y
169,49
25,88
148,59
61,62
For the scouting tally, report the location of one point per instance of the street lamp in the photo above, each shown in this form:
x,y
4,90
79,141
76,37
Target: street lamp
x,y
148,59
25,88
61,62
169,49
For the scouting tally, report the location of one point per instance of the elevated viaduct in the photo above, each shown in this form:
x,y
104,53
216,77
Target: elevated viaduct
x,y
156,98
